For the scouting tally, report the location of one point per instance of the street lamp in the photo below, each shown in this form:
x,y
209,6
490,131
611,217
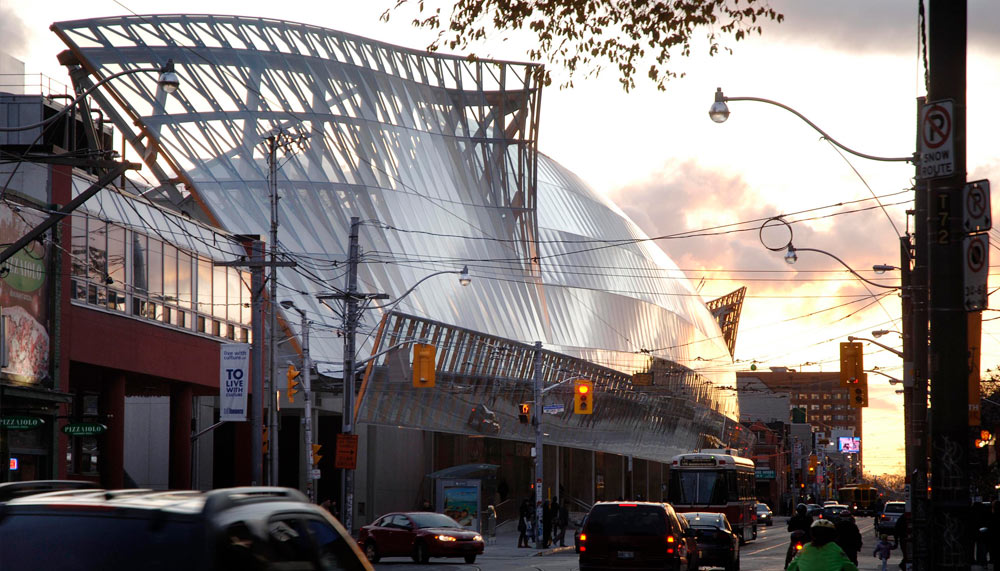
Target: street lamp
x,y
791,252
310,472
895,352
880,332
719,112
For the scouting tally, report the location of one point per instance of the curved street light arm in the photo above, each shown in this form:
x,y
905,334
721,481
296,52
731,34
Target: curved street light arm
x,y
892,380
73,103
908,159
393,304
843,263
895,352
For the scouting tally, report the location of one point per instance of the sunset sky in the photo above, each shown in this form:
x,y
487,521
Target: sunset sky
x,y
852,67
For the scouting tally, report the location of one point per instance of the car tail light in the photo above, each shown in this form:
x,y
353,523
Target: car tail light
x,y
583,537
670,544
626,505
670,539
798,547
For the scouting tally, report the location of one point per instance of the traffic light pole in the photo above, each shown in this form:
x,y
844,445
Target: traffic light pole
x,y
539,473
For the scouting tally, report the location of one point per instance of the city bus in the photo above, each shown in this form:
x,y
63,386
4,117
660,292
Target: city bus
x,y
716,480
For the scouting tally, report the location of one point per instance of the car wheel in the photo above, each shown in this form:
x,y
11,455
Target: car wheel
x,y
420,553
470,559
371,552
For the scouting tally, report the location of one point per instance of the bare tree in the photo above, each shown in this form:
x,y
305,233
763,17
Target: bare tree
x,y
586,35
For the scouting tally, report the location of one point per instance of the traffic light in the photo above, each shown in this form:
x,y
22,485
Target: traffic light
x,y
524,412
423,365
293,375
851,364
858,392
813,463
583,396
315,454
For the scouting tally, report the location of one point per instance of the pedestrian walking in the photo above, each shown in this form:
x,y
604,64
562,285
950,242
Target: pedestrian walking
x,y
883,549
562,520
523,524
848,536
546,524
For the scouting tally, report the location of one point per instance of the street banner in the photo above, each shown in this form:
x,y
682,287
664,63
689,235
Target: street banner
x,y
234,381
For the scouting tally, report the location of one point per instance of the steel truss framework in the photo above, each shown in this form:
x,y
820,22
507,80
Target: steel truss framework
x,y
437,155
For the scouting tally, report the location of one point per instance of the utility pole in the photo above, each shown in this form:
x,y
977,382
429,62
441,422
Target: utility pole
x,y
274,142
350,297
915,394
350,329
949,347
539,472
307,393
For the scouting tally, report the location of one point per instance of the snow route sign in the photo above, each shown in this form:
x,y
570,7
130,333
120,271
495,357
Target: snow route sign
x,y
937,140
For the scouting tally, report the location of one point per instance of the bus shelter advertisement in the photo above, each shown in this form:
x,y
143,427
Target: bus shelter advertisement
x,y
24,301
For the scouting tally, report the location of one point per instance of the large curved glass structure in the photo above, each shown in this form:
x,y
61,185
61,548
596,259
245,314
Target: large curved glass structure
x,y
437,156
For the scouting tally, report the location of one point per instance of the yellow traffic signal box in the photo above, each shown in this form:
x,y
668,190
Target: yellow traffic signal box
x,y
293,375
851,364
524,412
424,365
583,396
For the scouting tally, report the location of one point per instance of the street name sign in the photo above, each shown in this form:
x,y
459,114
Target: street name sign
x,y
937,141
977,261
554,408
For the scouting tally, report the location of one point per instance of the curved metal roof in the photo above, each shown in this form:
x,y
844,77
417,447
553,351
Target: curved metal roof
x,y
436,154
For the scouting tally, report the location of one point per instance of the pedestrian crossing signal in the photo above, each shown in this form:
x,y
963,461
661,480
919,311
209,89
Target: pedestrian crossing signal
x,y
583,397
524,413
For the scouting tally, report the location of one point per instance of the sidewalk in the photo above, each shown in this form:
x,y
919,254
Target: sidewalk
x,y
505,544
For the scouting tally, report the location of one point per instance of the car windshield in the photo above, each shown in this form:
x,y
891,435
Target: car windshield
x,y
763,508
100,542
704,520
894,508
637,520
423,520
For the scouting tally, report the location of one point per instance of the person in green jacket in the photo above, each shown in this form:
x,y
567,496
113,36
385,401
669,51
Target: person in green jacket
x,y
822,554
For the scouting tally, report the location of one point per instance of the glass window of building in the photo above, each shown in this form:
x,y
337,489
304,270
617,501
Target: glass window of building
x,y
184,281
79,264
155,308
219,283
204,291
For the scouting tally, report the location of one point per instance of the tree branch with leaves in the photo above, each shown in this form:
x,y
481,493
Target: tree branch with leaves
x,y
584,36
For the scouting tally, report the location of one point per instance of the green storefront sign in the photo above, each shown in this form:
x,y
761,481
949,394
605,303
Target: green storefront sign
x,y
21,422
84,428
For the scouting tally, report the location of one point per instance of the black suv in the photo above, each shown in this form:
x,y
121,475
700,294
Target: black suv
x,y
228,529
633,535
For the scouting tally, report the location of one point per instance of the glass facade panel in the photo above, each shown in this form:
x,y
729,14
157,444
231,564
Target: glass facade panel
x,y
204,287
184,280
219,297
170,274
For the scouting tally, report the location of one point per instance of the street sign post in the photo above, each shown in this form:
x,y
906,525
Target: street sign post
x,y
937,143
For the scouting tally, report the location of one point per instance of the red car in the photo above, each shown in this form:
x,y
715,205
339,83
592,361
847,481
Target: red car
x,y
420,535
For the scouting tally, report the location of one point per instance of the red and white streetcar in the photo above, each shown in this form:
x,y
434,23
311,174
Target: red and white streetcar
x,y
716,480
